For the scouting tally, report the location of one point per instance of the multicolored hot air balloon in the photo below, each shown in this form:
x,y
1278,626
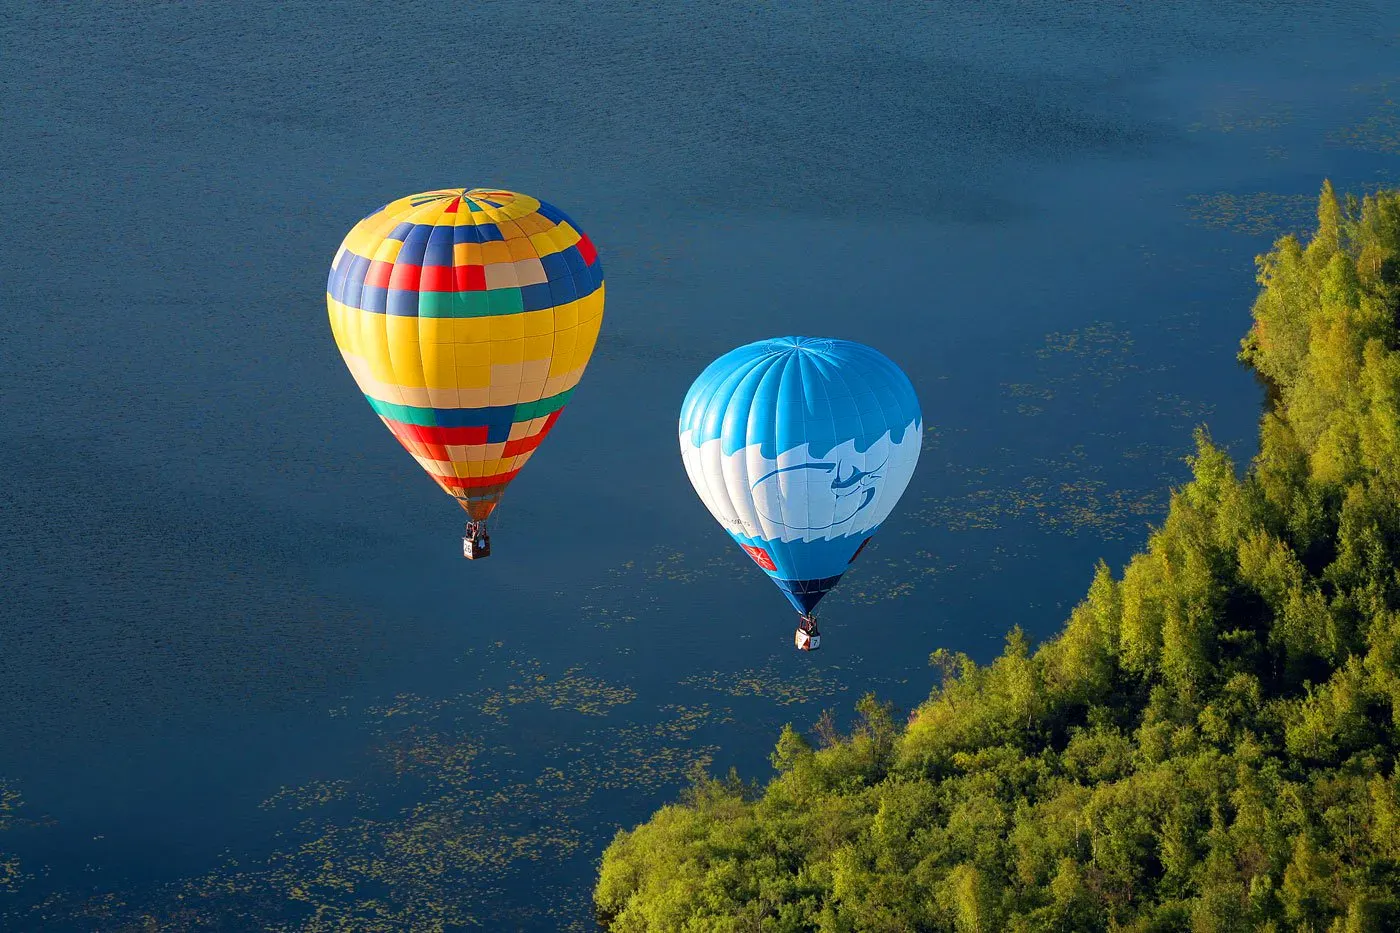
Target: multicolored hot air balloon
x,y
467,317
801,447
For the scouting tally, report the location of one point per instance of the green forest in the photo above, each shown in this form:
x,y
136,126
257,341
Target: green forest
x,y
1208,744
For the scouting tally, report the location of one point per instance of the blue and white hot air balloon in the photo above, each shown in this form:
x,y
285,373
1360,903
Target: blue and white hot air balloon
x,y
800,447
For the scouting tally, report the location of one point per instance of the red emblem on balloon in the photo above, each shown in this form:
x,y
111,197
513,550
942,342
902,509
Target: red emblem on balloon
x,y
760,556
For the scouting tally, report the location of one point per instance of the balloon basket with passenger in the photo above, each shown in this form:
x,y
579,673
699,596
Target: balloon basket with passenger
x,y
807,637
476,543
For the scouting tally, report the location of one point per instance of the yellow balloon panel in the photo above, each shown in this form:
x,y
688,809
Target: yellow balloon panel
x,y
467,317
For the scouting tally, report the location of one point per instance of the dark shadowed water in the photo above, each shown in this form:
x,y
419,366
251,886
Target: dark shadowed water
x,y
247,681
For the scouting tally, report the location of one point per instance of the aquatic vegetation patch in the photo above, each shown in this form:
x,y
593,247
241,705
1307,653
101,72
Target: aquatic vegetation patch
x,y
770,682
676,567
1069,507
11,875
570,690
1247,112
931,438
453,811
1179,408
1273,214
408,705
441,759
628,591
1093,343
1379,132
312,794
1062,495
877,581
1027,390
1261,213
1094,358
1019,390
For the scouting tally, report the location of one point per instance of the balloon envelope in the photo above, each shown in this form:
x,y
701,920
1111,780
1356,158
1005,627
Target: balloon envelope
x,y
800,447
467,317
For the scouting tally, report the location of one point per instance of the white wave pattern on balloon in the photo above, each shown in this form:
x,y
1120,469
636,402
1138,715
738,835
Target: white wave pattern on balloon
x,y
800,497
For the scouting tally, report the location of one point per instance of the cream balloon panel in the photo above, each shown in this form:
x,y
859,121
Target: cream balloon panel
x,y
800,497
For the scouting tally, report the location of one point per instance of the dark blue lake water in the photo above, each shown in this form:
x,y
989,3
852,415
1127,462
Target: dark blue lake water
x,y
247,681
